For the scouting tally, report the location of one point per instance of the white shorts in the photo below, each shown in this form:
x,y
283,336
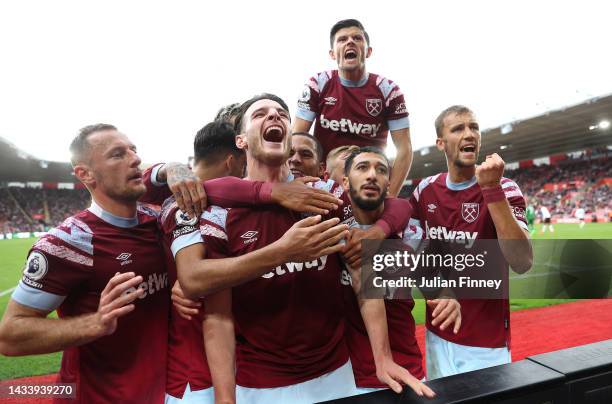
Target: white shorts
x,y
205,396
335,384
445,358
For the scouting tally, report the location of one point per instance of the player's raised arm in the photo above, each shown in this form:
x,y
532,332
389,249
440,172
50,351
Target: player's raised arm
x,y
403,160
512,231
27,331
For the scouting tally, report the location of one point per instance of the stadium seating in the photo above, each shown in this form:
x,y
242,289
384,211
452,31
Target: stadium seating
x,y
35,209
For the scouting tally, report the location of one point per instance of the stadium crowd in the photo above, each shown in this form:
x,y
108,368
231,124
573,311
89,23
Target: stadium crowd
x,y
581,174
566,186
36,209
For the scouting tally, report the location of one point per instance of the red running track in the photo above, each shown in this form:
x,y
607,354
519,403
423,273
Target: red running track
x,y
534,331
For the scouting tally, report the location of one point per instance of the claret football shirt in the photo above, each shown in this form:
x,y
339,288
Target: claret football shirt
x,y
68,268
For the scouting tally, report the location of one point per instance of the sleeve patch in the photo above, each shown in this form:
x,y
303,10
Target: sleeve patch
x,y
36,266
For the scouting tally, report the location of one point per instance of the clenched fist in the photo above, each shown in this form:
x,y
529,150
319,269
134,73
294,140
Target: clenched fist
x,y
489,173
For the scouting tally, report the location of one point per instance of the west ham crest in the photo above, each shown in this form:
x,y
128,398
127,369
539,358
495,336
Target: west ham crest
x,y
374,106
469,211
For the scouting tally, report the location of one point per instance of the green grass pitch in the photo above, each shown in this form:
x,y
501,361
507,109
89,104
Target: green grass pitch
x,y
13,253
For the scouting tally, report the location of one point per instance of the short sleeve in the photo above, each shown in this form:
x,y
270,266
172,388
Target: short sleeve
x,y
56,266
395,109
516,200
308,103
213,232
179,229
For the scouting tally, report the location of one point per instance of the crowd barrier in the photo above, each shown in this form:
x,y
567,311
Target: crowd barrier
x,y
581,374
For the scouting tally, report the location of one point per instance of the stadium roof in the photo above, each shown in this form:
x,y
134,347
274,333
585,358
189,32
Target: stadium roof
x,y
16,165
559,131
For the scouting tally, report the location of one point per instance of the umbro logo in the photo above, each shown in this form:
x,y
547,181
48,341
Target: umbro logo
x,y
431,207
250,236
330,101
124,258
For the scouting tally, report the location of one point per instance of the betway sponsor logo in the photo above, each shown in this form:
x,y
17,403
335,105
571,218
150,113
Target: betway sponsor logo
x,y
347,126
454,236
291,267
155,283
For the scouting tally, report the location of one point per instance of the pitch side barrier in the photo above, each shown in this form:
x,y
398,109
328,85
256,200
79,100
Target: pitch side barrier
x,y
571,376
470,268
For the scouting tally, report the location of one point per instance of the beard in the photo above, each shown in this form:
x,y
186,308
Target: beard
x,y
461,164
366,204
127,194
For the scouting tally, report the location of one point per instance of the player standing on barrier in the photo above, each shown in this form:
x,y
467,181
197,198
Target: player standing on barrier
x,y
104,272
354,107
474,199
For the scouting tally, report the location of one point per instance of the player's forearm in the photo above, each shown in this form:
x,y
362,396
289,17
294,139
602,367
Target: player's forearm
x,y
513,240
209,276
21,335
155,194
401,167
301,125
219,342
375,319
233,192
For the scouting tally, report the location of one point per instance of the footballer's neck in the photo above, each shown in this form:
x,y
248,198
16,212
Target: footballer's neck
x,y
459,174
116,207
209,172
260,171
353,74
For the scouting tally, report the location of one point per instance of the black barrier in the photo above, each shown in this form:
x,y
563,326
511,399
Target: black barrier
x,y
518,382
587,369
574,376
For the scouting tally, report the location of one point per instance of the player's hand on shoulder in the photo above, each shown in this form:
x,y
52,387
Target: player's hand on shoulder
x,y
297,196
446,313
185,307
311,238
394,376
489,173
116,300
186,188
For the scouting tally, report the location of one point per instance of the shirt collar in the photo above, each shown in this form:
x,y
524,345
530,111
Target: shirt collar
x,y
108,217
350,83
459,186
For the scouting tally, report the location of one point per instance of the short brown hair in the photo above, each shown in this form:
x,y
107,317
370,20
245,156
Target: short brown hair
x,y
333,153
80,146
455,109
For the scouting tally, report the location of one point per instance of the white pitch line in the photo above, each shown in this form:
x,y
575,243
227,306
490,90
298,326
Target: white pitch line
x,y
6,292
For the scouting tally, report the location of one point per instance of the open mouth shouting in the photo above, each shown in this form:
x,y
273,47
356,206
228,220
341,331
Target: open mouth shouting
x,y
350,54
274,135
468,150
